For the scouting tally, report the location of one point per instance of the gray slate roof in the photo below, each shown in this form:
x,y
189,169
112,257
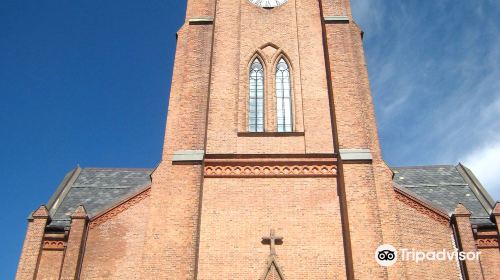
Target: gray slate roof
x,y
96,189
445,187
100,188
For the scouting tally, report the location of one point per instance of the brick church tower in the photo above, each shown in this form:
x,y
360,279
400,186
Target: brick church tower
x,y
270,126
271,168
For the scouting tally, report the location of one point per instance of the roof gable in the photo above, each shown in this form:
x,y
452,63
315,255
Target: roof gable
x,y
96,189
445,187
273,270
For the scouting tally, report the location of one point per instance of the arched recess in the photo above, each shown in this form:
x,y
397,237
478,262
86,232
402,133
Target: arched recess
x,y
269,50
269,62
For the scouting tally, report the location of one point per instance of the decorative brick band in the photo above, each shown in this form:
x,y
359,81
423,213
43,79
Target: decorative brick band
x,y
53,245
271,168
421,208
491,242
100,219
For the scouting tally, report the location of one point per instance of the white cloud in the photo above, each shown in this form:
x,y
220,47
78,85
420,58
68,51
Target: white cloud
x,y
485,160
435,82
485,163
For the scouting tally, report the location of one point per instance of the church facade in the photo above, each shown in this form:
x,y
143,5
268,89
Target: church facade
x,y
271,169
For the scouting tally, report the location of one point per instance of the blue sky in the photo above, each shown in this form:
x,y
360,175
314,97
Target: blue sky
x,y
87,82
435,75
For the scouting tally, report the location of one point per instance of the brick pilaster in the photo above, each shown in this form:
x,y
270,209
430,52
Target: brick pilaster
x,y
496,216
73,254
171,244
28,263
466,241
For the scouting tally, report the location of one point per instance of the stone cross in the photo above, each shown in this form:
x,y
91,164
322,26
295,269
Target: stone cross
x,y
272,240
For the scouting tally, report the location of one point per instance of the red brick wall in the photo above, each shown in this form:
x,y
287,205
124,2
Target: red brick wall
x,y
490,263
72,256
237,213
50,265
356,129
490,258
467,242
365,228
30,253
171,234
242,29
114,247
425,231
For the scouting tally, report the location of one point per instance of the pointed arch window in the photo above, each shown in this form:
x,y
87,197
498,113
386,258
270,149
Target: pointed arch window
x,y
256,97
283,97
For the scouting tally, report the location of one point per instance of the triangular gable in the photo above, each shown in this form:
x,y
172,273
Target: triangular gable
x,y
119,207
273,270
422,203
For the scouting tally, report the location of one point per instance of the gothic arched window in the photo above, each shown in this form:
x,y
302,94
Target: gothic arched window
x,y
256,97
283,97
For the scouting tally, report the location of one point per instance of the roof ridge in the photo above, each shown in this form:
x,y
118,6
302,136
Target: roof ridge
x,y
422,166
434,185
476,187
63,189
117,168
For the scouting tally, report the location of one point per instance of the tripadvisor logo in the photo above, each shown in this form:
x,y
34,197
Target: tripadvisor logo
x,y
386,255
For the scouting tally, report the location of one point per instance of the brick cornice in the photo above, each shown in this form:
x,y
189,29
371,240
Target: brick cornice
x,y
421,204
57,245
255,167
119,207
487,242
487,239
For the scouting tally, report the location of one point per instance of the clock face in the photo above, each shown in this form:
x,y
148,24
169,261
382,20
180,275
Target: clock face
x,y
268,3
